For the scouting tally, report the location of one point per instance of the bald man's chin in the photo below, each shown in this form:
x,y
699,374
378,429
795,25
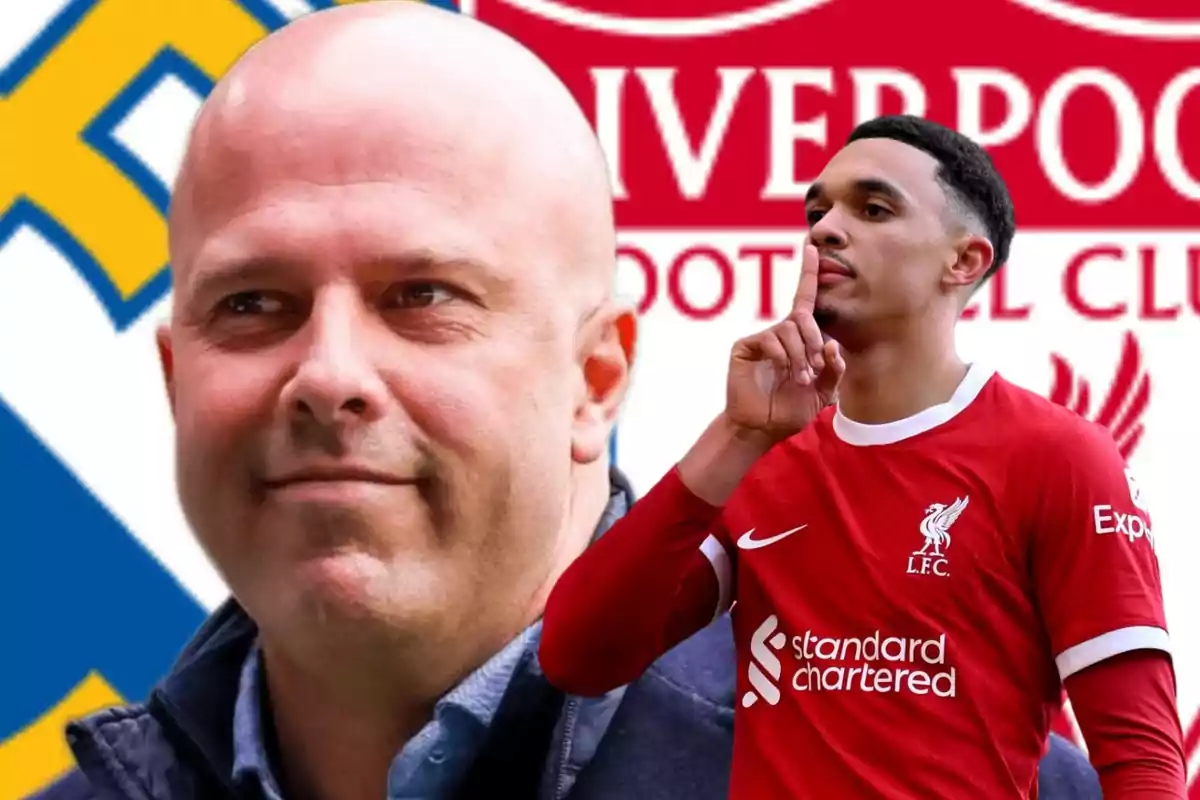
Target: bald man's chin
x,y
354,587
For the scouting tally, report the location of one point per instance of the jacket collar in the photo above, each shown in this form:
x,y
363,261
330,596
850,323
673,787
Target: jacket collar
x,y
195,702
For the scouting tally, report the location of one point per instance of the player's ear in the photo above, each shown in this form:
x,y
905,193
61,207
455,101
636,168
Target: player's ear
x,y
166,358
973,255
606,361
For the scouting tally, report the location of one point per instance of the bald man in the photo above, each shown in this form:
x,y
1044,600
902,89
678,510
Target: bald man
x,y
394,365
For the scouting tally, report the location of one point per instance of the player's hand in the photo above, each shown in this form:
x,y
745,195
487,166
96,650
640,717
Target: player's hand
x,y
781,378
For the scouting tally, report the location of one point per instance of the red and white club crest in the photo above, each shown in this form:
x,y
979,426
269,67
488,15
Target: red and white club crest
x,y
1171,20
661,18
1177,20
1122,408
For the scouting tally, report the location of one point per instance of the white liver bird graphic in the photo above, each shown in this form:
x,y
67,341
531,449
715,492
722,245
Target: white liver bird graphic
x,y
936,525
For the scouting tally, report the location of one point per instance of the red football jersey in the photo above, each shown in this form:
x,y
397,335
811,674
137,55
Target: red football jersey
x,y
910,596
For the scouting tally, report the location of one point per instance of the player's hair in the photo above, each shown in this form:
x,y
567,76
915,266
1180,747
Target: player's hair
x,y
965,171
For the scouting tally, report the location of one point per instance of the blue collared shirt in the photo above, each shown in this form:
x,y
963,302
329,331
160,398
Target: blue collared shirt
x,y
430,764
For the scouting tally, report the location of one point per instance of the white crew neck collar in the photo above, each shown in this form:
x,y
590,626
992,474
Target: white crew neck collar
x,y
864,435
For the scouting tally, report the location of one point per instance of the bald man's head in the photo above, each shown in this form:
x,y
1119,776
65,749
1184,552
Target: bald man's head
x,y
393,248
394,90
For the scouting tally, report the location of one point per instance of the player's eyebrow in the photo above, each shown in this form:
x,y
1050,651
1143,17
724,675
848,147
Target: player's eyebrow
x,y
863,186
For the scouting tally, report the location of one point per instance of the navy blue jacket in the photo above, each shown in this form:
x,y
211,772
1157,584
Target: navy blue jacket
x,y
670,738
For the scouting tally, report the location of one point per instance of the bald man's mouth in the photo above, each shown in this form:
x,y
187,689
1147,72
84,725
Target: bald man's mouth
x,y
334,482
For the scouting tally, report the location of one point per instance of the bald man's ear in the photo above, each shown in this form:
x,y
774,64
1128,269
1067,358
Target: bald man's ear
x,y
974,259
606,361
166,357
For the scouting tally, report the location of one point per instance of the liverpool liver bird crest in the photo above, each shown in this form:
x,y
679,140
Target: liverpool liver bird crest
x,y
936,525
1122,409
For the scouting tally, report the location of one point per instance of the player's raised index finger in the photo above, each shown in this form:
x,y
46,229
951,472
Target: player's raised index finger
x,y
806,291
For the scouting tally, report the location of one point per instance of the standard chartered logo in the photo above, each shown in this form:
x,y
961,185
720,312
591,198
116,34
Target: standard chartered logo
x,y
875,663
764,664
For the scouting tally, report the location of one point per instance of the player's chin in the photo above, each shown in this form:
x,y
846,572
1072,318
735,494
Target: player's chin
x,y
828,314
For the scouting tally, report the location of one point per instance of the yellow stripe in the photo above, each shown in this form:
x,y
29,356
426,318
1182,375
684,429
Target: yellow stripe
x,y
35,756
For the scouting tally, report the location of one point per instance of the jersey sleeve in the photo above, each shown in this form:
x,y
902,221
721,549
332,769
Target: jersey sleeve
x,y
1095,568
658,575
1126,709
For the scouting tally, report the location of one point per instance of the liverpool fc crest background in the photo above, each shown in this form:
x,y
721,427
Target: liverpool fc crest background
x,y
100,583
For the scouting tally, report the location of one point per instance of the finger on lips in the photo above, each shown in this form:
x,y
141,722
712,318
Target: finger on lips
x,y
806,290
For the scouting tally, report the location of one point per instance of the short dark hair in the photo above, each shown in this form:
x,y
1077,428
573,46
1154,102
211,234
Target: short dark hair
x,y
965,171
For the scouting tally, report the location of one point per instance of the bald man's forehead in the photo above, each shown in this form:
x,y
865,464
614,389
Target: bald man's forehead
x,y
351,98
422,100
245,149
396,55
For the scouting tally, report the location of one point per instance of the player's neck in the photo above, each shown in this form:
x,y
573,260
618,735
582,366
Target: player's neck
x,y
890,381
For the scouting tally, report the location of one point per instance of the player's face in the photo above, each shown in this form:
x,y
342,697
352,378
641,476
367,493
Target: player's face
x,y
374,381
878,216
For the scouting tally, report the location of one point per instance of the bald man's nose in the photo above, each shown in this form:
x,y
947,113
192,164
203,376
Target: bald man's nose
x,y
336,382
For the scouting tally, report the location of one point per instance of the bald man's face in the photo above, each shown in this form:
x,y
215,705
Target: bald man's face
x,y
378,368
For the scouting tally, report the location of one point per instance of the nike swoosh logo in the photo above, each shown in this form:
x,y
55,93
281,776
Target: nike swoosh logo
x,y
748,542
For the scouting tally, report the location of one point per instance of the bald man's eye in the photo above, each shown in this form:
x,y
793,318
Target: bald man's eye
x,y
814,216
418,294
244,304
876,211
